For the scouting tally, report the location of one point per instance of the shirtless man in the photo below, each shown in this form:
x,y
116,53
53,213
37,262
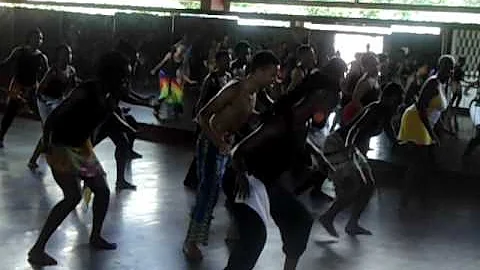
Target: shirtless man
x,y
70,155
220,119
227,112
306,61
30,65
260,160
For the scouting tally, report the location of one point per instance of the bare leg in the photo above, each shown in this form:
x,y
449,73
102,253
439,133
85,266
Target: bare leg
x,y
122,152
347,192
39,149
360,203
101,200
71,197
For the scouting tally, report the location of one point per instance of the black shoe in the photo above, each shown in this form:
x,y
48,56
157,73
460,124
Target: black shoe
x,y
40,259
122,185
102,244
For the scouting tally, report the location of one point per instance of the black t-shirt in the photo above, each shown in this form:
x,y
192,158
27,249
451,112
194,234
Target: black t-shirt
x,y
73,122
28,66
274,157
458,74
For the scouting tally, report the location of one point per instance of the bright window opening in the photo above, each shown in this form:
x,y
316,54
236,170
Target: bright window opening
x,y
350,44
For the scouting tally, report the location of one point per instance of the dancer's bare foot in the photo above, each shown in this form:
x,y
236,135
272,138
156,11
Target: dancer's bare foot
x,y
100,243
355,229
40,258
327,223
192,252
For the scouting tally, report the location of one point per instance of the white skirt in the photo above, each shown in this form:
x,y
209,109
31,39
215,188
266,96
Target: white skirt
x,y
46,106
258,199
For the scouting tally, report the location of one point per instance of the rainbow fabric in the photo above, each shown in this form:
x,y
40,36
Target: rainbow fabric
x,y
174,95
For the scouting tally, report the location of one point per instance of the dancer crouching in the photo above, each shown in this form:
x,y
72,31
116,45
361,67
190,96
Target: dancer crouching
x,y
349,168
70,154
260,160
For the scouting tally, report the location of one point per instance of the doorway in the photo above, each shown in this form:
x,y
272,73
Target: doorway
x,y
350,44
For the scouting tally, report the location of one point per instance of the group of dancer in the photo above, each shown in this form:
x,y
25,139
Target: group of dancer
x,y
262,156
252,141
76,115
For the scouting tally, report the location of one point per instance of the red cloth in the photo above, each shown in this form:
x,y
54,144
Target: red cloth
x,y
350,111
319,117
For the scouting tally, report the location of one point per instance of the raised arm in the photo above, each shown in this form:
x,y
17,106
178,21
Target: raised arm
x,y
10,58
167,57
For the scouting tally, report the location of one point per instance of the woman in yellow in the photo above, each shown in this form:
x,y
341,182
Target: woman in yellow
x,y
418,122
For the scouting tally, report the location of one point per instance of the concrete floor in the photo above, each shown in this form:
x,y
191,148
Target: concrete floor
x,y
149,224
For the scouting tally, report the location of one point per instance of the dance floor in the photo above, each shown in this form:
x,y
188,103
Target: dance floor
x,y
150,223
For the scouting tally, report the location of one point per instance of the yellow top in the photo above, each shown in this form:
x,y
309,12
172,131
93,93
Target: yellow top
x,y
412,129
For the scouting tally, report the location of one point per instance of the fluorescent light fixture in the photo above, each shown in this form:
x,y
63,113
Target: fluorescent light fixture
x,y
425,30
358,13
260,22
83,10
421,30
173,4
207,16
349,28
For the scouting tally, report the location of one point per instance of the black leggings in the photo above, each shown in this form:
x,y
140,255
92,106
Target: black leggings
x,y
289,214
11,111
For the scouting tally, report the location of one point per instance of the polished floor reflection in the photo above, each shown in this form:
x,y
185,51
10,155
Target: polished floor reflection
x,y
149,224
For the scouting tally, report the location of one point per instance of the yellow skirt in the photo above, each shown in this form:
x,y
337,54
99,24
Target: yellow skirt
x,y
412,129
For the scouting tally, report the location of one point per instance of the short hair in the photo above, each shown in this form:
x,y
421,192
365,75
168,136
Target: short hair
x,y
303,49
335,66
263,59
392,90
446,59
61,48
32,32
368,58
383,57
221,54
111,66
241,47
